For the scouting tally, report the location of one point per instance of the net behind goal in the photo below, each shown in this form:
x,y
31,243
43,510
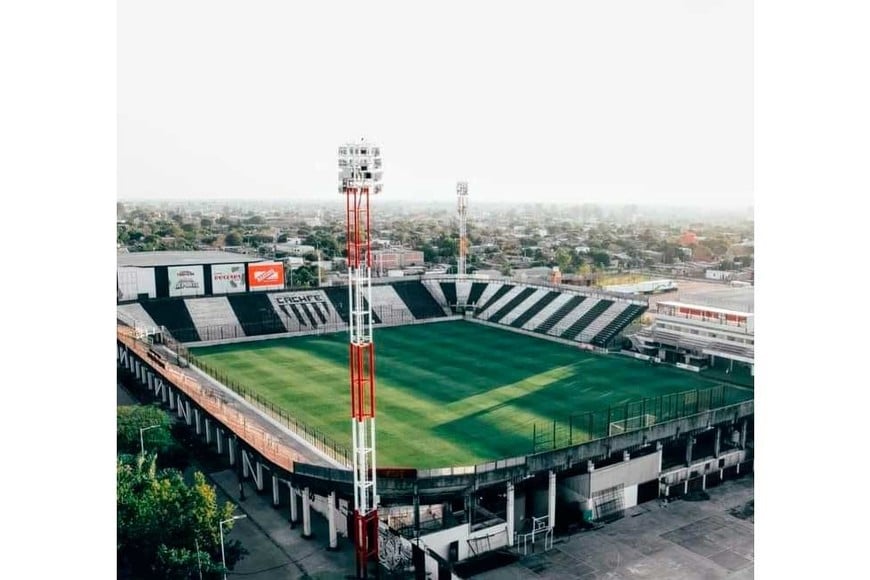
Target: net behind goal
x,y
632,424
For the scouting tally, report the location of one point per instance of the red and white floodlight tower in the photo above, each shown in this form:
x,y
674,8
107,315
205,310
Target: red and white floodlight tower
x,y
359,173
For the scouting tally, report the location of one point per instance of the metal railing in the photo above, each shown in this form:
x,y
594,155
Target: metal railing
x,y
579,428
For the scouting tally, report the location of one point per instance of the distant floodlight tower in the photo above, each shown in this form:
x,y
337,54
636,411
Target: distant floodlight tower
x,y
359,173
462,206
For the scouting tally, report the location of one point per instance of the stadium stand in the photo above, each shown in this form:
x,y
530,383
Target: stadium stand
x,y
420,302
617,325
449,291
172,314
491,295
555,319
517,296
535,310
256,314
602,320
581,322
214,318
475,293
437,293
530,300
389,306
303,311
134,315
463,289
338,297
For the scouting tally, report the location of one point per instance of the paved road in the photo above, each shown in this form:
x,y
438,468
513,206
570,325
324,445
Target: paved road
x,y
683,540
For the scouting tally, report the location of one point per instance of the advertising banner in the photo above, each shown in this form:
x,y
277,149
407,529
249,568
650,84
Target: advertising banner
x,y
227,278
128,284
186,281
135,281
266,276
147,282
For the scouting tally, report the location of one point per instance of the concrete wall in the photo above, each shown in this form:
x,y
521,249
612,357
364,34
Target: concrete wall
x,y
574,488
439,542
627,473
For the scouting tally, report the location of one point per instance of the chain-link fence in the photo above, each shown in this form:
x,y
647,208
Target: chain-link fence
x,y
616,419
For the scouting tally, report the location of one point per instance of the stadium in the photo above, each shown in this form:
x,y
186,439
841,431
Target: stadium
x,y
507,412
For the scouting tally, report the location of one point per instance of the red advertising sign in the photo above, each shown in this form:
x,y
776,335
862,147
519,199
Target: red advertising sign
x,y
265,276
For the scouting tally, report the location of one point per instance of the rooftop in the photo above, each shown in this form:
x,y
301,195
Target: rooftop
x,y
186,258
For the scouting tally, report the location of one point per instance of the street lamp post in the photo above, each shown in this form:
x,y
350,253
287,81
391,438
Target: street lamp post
x,y
142,440
223,557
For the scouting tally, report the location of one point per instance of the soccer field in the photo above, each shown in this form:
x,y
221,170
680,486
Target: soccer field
x,y
451,393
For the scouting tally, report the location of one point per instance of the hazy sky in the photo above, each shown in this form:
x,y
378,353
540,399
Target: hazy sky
x,y
647,101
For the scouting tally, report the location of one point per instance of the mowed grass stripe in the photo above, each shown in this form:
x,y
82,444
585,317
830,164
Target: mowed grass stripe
x,y
452,393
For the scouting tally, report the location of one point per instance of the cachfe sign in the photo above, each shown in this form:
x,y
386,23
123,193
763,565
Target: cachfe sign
x,y
266,276
186,281
227,278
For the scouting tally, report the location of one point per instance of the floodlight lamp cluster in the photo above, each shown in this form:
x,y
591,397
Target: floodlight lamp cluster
x,y
360,165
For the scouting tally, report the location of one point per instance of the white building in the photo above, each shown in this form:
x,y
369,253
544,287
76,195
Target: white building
x,y
699,336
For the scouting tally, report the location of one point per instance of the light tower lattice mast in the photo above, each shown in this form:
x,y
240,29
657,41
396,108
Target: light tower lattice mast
x,y
462,206
360,175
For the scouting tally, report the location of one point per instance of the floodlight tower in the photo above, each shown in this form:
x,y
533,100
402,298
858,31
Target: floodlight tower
x,y
359,174
462,206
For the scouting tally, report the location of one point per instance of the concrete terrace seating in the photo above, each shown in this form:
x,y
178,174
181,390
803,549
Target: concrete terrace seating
x,y
435,292
574,330
419,300
172,313
529,302
135,315
338,297
555,318
390,307
475,291
545,312
305,310
493,293
606,317
214,318
463,290
448,289
744,350
498,301
618,324
256,314
570,313
517,296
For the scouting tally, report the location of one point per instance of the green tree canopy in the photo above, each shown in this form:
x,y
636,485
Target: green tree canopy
x,y
131,418
162,520
233,239
324,241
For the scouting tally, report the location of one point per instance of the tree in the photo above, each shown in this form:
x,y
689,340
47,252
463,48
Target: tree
x,y
132,418
305,276
324,241
563,259
600,258
233,239
162,520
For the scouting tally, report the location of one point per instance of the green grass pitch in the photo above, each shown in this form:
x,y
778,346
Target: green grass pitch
x,y
450,393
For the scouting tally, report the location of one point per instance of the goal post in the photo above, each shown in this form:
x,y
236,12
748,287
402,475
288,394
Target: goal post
x,y
631,424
